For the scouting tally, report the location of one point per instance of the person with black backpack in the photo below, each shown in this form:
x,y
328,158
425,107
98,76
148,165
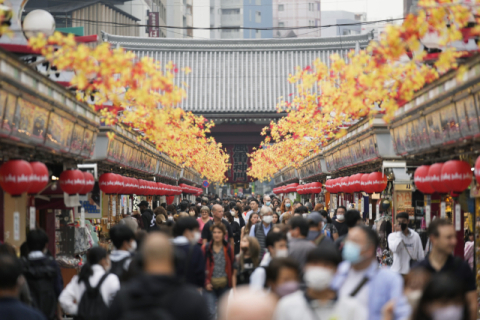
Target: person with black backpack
x,y
89,294
125,245
157,294
42,274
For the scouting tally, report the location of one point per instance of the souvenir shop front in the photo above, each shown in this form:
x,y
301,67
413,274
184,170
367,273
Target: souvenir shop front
x,y
312,172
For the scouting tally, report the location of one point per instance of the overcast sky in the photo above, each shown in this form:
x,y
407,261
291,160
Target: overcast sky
x,y
376,9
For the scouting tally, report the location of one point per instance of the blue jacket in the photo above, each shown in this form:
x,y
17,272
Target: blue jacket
x,y
196,269
384,285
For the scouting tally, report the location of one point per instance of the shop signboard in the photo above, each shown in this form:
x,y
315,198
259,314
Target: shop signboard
x,y
88,146
450,126
8,120
77,139
422,130
434,128
59,132
467,116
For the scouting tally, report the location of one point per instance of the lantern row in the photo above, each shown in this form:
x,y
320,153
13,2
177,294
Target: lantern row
x,y
314,187
374,182
20,176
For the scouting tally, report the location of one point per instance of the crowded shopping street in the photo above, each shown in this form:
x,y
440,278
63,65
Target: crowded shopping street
x,y
239,160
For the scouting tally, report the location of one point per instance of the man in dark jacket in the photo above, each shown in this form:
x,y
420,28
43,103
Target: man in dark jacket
x,y
147,215
190,264
43,274
158,294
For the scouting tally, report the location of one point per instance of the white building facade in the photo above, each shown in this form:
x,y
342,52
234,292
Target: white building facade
x,y
295,13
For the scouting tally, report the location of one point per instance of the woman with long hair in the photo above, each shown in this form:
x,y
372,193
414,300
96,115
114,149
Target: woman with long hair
x,y
94,274
203,219
443,298
247,261
286,207
219,260
252,220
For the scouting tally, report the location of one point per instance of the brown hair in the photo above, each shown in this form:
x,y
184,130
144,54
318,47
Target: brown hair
x,y
253,252
283,208
219,226
160,210
318,207
286,216
435,225
248,226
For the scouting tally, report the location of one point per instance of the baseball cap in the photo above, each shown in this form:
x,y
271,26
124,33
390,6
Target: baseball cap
x,y
315,217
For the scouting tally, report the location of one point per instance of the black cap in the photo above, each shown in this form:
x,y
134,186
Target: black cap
x,y
143,203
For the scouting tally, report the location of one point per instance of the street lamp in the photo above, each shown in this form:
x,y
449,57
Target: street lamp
x,y
38,21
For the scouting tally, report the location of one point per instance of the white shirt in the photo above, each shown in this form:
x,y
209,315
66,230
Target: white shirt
x,y
295,306
401,258
72,294
354,278
257,278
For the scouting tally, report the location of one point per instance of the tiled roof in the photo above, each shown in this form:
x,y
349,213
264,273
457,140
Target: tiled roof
x,y
238,76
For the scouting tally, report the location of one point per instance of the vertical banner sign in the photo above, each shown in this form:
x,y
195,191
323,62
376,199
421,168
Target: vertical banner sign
x,y
32,218
378,209
82,217
443,209
130,205
458,217
240,162
428,215
370,211
114,207
362,208
153,23
348,205
355,199
16,226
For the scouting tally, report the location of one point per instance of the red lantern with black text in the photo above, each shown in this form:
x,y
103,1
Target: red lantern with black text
x,y
89,183
39,178
72,181
457,175
15,177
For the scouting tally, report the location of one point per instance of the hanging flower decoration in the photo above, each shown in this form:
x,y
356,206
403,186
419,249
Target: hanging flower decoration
x,y
140,95
360,85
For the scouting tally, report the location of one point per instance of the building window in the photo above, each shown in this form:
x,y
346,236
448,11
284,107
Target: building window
x,y
281,7
258,17
258,2
250,15
258,34
281,24
230,11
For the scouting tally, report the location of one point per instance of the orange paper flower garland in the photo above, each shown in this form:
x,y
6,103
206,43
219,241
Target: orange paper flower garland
x,y
137,93
377,80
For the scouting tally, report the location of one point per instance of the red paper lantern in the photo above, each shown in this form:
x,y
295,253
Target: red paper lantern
x,y
72,181
356,182
110,183
435,177
367,185
333,186
15,177
379,181
422,180
39,178
314,187
89,183
299,189
457,175
344,185
135,186
477,170
170,199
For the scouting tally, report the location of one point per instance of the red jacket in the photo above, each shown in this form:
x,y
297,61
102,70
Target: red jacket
x,y
210,262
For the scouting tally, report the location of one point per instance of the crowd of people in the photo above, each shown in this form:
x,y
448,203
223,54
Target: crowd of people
x,y
244,258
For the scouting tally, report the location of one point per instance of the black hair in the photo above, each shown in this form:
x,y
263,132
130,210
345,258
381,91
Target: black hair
x,y
238,209
352,217
164,205
247,208
37,240
301,210
7,248
325,215
372,235
341,207
296,202
273,269
184,205
442,288
435,225
325,253
401,215
232,204
121,233
10,270
274,237
185,223
253,199
229,216
94,256
299,222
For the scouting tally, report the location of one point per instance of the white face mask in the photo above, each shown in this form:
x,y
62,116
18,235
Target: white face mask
x,y
318,278
133,246
305,215
340,217
289,236
170,217
281,253
233,213
196,236
268,219
453,312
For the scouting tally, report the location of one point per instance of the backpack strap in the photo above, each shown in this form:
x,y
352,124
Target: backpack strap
x,y
99,284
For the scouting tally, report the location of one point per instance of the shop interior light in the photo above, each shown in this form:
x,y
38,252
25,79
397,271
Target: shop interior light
x,y
54,178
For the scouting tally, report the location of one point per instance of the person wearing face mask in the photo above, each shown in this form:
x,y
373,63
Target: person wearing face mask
x,y
405,244
286,207
319,301
123,240
282,277
235,230
339,222
352,219
190,265
360,277
267,201
93,275
315,233
148,217
247,261
276,243
261,229
443,299
237,216
298,245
